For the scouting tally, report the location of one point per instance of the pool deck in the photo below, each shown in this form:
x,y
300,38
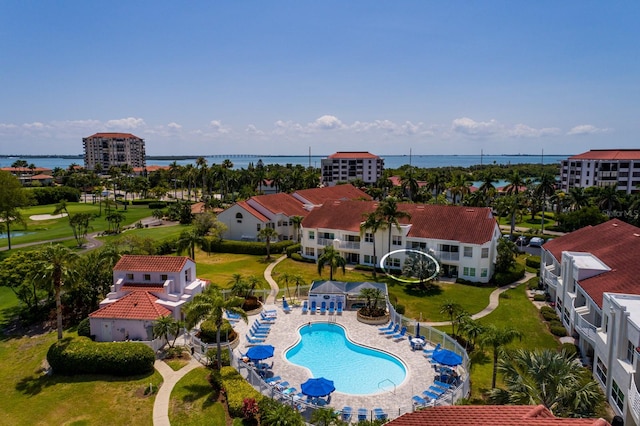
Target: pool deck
x,y
393,399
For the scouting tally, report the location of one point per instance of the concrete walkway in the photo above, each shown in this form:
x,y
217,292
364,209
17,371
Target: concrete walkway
x,y
170,378
271,299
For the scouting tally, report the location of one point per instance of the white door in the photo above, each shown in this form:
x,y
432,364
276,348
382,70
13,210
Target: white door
x,y
106,332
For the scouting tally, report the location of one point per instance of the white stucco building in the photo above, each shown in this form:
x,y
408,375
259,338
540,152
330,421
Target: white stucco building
x,y
593,277
463,239
347,166
144,289
619,168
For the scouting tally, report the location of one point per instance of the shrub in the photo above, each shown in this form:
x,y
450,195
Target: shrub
x,y
549,314
547,309
511,276
84,328
298,258
294,248
570,350
246,247
539,297
225,359
557,330
83,356
237,389
366,268
533,262
400,309
153,205
55,194
208,332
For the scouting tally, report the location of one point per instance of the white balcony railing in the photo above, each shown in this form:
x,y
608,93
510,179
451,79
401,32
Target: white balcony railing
x,y
551,281
349,245
446,255
584,327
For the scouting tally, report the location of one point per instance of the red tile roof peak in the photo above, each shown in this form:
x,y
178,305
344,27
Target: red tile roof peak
x,y
153,263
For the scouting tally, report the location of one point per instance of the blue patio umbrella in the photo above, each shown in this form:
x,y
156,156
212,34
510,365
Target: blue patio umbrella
x,y
418,330
446,357
317,387
260,352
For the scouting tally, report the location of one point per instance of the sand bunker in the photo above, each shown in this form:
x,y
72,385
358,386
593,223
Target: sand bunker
x,y
47,216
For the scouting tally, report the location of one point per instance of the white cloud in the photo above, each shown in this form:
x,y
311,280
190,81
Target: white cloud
x,y
524,131
251,129
125,123
470,127
35,125
218,127
174,126
327,122
586,129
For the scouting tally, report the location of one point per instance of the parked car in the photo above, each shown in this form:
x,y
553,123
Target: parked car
x,y
536,242
522,240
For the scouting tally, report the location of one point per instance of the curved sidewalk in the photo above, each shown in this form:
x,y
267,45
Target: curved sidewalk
x,y
170,378
271,299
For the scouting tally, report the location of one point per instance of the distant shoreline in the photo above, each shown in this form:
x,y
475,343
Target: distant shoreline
x,y
189,157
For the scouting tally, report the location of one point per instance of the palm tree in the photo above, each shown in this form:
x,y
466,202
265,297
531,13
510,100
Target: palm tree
x,y
372,296
374,223
459,185
298,279
578,198
165,326
211,305
451,309
388,210
57,266
297,224
267,234
325,417
285,277
239,286
331,257
409,183
201,162
187,243
545,188
608,198
549,378
497,338
436,184
470,329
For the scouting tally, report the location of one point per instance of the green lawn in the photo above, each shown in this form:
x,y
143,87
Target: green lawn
x,y
220,267
8,306
42,230
528,223
191,401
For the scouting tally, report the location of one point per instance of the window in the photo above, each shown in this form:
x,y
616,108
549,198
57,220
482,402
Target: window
x,y
419,246
396,240
164,277
468,251
472,272
631,349
239,217
309,251
147,277
370,260
312,235
601,371
258,227
368,237
485,252
129,277
469,272
392,262
484,272
617,395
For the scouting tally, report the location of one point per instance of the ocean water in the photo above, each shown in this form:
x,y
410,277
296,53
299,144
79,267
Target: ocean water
x,y
390,161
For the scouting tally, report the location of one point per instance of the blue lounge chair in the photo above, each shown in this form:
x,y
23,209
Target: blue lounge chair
x,y
285,306
431,395
261,328
269,319
313,307
262,324
305,307
362,414
380,414
429,352
419,401
387,328
401,335
323,308
281,386
332,308
255,335
346,413
289,391
396,328
339,310
251,341
443,385
437,390
273,380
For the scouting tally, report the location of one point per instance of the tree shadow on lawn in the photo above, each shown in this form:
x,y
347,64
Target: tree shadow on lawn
x,y
34,383
425,290
200,391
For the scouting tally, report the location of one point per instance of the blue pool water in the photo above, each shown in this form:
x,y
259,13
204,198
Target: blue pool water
x,y
325,350
13,234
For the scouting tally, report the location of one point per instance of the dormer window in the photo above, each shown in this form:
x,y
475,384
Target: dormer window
x,y
239,217
147,277
129,277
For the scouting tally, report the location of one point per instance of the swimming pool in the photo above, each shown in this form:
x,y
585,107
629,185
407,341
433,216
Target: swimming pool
x,y
325,350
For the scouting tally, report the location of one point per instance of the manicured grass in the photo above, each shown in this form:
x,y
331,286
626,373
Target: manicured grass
x,y
42,230
191,401
220,267
8,306
528,223
158,233
29,397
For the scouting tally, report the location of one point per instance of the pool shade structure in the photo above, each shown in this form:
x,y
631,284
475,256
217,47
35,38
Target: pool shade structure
x,y
260,352
446,357
317,387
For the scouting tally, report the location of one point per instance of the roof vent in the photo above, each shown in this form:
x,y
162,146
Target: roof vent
x,y
470,210
636,234
614,224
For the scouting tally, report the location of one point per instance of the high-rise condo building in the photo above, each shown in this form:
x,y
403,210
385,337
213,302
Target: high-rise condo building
x,y
346,166
619,168
113,149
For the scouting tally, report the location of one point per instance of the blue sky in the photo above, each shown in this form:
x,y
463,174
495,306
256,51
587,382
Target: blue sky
x,y
283,77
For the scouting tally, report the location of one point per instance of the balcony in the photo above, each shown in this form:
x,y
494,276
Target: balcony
x,y
551,280
349,245
584,328
447,255
325,242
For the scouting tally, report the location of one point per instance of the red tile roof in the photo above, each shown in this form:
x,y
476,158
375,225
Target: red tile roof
x,y
253,211
615,243
608,154
25,170
113,135
137,305
142,286
352,154
280,203
141,263
495,415
149,169
317,196
473,225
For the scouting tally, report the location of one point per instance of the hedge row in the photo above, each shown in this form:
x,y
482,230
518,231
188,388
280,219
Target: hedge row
x,y
55,194
533,262
511,276
237,389
293,248
248,247
84,356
